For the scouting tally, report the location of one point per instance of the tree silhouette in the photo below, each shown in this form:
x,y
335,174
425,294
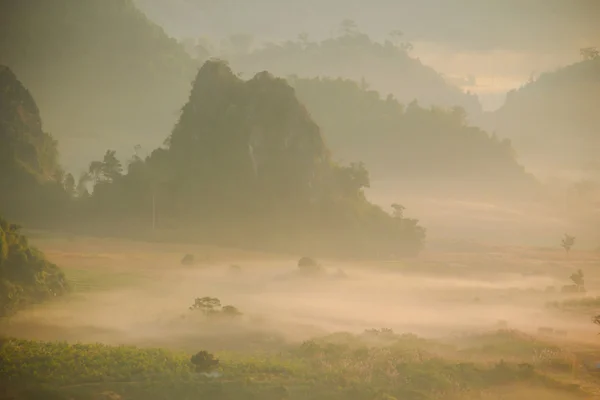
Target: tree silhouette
x,y
207,305
567,243
578,280
204,361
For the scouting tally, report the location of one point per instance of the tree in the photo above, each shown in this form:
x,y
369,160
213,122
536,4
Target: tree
x,y
111,168
204,361
567,243
578,280
589,53
207,305
95,172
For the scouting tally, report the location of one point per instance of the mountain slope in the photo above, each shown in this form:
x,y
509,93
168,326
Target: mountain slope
x,y
30,175
554,120
354,55
98,69
246,163
26,148
419,146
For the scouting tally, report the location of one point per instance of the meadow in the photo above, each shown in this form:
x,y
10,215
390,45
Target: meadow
x,y
455,323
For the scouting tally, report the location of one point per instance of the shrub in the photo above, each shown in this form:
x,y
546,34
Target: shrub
x,y
204,361
211,307
309,265
25,275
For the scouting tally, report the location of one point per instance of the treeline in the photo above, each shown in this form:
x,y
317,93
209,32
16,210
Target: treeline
x,y
553,119
410,143
351,54
244,164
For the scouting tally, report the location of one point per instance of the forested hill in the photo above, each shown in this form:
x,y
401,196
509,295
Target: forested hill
x,y
553,120
30,174
105,76
246,161
97,68
26,148
386,66
415,144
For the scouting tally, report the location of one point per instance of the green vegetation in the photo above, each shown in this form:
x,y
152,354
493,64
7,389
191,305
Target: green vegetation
x,y
243,155
246,157
211,307
351,54
550,119
323,368
567,242
411,143
100,70
30,175
25,275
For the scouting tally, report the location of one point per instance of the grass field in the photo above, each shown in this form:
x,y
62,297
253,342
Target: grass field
x,y
465,324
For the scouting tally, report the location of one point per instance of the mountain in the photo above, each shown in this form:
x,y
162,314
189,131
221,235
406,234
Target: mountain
x,y
103,74
246,163
420,146
29,168
553,120
353,55
26,149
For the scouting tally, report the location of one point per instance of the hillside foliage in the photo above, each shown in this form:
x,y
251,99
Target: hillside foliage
x,y
553,119
25,275
411,142
246,154
30,174
101,72
351,54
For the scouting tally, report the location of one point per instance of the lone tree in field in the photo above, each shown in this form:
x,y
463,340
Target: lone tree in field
x,y
207,305
578,280
567,242
204,361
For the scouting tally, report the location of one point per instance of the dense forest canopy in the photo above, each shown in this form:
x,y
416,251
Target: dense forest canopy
x,y
411,143
101,72
246,156
30,175
554,119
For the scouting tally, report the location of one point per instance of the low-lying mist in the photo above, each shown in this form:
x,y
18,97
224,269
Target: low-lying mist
x,y
279,302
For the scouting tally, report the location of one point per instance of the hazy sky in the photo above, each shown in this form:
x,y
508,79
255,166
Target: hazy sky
x,y
500,43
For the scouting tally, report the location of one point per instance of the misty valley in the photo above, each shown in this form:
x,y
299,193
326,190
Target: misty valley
x,y
196,205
